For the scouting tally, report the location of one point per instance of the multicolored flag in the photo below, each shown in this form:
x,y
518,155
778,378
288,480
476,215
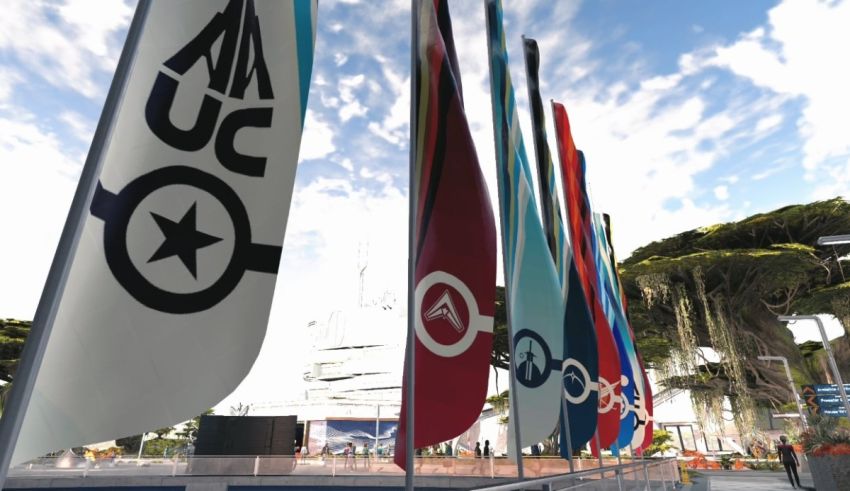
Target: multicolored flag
x,y
580,226
580,369
455,247
642,407
613,307
168,263
532,289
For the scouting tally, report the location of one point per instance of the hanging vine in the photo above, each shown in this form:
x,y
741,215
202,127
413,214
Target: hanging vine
x,y
654,288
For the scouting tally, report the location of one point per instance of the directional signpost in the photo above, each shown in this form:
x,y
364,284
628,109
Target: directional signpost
x,y
825,399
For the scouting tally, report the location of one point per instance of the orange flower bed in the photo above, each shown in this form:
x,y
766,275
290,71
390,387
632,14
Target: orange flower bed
x,y
827,449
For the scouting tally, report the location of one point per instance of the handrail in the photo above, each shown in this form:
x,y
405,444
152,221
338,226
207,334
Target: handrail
x,y
542,481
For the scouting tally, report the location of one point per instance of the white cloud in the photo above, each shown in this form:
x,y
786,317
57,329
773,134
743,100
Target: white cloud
x,y
317,138
721,193
796,55
81,127
768,123
351,104
40,181
65,42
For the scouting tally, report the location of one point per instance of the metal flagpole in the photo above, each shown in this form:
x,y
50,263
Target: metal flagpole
x,y
409,370
513,401
377,430
599,449
36,345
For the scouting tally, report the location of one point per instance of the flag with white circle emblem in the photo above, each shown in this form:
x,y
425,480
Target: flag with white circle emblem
x,y
532,289
454,247
168,294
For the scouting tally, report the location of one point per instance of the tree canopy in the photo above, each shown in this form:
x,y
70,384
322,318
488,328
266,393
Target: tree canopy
x,y
723,286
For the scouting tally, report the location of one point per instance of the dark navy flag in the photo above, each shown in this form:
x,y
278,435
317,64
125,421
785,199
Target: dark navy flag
x,y
580,368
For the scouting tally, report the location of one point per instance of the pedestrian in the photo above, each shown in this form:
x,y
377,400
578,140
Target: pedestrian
x,y
326,451
486,448
448,449
304,451
346,452
788,457
477,450
367,456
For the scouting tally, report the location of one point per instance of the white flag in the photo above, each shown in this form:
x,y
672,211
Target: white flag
x,y
169,290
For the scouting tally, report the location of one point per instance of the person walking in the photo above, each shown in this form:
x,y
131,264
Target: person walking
x,y
486,448
367,456
788,457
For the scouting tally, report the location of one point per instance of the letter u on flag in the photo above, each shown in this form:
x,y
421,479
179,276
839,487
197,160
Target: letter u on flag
x,y
580,369
532,289
454,247
167,296
578,216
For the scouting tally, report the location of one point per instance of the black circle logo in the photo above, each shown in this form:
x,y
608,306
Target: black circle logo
x,y
181,239
533,359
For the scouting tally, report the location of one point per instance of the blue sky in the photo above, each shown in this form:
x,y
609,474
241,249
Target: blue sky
x,y
690,113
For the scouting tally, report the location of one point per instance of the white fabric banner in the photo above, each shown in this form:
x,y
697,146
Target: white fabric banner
x,y
169,291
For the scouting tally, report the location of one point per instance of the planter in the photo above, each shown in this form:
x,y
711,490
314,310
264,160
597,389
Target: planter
x,y
830,471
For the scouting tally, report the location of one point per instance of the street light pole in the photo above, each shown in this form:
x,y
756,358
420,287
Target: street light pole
x,y
835,374
790,385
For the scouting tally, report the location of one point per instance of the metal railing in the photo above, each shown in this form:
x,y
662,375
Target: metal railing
x,y
543,470
641,474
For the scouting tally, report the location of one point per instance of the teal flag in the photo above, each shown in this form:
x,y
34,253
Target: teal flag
x,y
532,288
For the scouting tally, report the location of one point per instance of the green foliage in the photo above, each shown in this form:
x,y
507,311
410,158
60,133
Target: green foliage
x,y
723,286
129,444
13,333
500,354
164,447
824,432
661,442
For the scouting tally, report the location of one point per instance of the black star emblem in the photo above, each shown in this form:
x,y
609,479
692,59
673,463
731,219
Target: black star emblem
x,y
182,239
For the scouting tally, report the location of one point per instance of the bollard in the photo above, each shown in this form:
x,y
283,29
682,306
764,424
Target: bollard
x,y
333,466
492,468
619,474
86,469
683,469
174,467
256,465
646,475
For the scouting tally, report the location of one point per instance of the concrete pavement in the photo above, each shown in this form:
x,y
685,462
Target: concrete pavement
x,y
753,480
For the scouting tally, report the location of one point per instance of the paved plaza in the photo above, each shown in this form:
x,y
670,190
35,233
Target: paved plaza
x,y
755,481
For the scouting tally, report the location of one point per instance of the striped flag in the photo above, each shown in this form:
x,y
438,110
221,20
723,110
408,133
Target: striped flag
x,y
532,289
454,247
580,227
630,384
581,366
642,407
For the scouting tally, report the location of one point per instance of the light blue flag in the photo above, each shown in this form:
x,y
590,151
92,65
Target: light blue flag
x,y
533,291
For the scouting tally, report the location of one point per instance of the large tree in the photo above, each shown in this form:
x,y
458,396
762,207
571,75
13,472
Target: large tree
x,y
723,287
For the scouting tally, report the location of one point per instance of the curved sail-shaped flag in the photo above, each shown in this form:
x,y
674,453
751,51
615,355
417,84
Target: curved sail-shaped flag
x,y
631,381
455,248
642,408
167,298
578,217
580,369
533,292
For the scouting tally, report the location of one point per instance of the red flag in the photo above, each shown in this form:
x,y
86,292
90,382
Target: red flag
x,y
455,248
578,214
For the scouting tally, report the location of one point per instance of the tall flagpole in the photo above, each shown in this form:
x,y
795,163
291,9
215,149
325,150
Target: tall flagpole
x,y
409,369
36,345
513,415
